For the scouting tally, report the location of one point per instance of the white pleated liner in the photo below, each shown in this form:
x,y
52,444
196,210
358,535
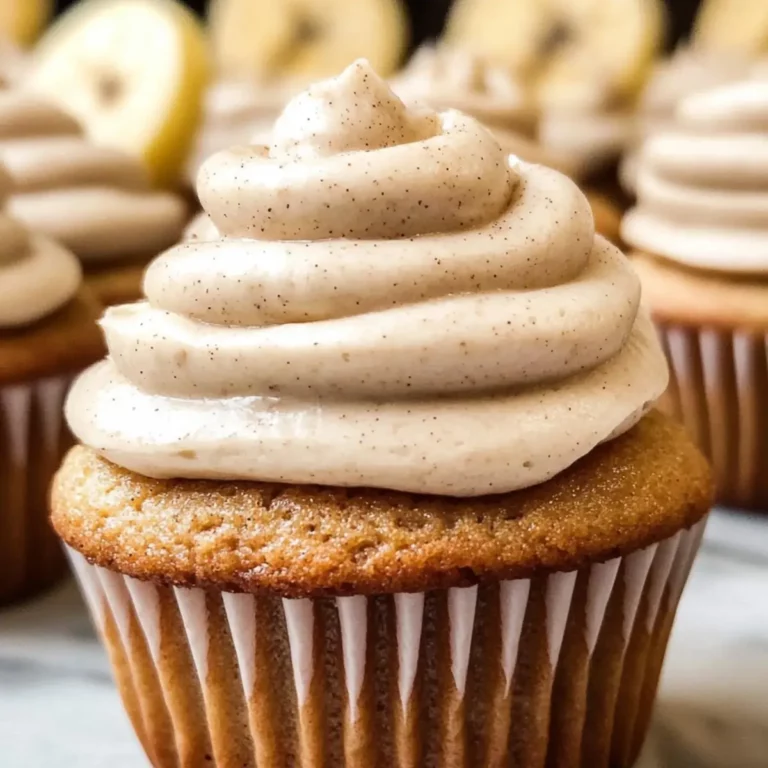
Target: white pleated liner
x,y
649,570
16,405
34,405
704,362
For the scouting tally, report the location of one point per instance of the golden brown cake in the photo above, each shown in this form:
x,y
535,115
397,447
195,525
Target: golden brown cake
x,y
702,253
48,334
373,476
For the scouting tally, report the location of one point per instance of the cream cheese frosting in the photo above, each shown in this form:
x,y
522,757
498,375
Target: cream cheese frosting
x,y
450,78
37,276
94,200
703,188
384,298
687,72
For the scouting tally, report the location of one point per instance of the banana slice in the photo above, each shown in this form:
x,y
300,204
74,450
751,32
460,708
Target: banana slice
x,y
305,39
21,21
572,51
735,26
134,73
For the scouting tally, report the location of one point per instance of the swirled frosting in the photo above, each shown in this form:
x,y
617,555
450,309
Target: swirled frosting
x,y
92,199
450,78
702,189
392,302
687,72
37,276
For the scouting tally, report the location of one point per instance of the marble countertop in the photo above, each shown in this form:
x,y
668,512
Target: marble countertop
x,y
58,706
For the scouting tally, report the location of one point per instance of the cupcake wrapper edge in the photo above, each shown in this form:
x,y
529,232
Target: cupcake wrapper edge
x,y
558,669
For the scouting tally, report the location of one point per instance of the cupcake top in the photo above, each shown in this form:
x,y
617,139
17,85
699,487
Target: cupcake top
x,y
94,200
37,276
392,302
238,112
702,187
687,72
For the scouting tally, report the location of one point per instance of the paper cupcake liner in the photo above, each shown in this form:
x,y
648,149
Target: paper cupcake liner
x,y
33,441
719,390
557,670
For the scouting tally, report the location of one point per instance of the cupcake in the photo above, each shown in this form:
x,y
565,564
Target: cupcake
x,y
47,334
373,478
94,200
700,234
688,71
447,77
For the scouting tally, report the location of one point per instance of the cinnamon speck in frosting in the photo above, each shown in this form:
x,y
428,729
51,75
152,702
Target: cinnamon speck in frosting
x,y
380,298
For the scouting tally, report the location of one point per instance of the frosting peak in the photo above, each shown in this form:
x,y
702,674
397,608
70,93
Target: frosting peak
x,y
37,276
702,187
355,112
411,309
350,160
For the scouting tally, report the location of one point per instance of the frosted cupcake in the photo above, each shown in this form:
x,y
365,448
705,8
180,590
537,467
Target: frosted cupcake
x,y
94,200
371,478
687,72
445,77
700,230
47,334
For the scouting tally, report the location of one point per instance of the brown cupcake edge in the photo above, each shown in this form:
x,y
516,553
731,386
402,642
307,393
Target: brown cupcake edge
x,y
60,344
695,298
305,541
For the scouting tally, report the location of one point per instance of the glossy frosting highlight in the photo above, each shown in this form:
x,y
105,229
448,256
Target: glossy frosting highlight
x,y
37,276
703,187
383,298
94,200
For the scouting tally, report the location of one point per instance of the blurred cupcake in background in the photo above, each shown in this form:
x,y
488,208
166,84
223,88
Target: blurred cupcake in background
x,y
687,72
364,521
103,126
446,77
48,333
700,234
727,41
95,200
584,61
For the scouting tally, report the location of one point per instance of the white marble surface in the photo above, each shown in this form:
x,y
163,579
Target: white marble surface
x,y
58,706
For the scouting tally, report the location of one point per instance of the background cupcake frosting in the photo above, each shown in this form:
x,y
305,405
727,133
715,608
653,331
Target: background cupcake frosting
x,y
94,199
701,187
37,276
